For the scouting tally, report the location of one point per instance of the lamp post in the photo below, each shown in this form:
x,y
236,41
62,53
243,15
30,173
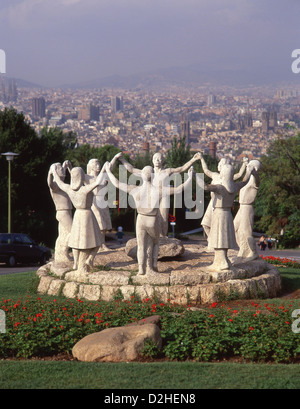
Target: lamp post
x,y
9,157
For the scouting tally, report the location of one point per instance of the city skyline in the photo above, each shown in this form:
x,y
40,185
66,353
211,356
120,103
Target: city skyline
x,y
73,41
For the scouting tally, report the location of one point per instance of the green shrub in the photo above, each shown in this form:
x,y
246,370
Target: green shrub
x,y
150,349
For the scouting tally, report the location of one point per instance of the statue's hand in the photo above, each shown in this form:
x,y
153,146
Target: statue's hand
x,y
67,164
198,156
119,155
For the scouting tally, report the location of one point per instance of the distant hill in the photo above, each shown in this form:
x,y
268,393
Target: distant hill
x,y
20,83
195,74
192,75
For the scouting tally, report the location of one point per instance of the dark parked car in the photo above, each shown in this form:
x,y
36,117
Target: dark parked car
x,y
20,248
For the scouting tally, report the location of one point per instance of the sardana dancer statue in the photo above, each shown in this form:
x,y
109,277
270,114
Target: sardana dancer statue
x,y
147,199
244,219
222,235
160,179
85,237
63,206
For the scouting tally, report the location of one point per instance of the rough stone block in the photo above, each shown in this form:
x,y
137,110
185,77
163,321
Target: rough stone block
x,y
44,284
70,290
55,287
89,292
144,291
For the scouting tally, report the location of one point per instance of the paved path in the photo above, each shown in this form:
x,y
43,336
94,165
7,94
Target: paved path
x,y
20,269
292,254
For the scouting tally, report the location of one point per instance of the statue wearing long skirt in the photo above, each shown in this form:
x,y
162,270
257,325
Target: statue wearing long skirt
x,y
147,198
85,236
161,179
244,219
100,210
215,176
222,235
63,206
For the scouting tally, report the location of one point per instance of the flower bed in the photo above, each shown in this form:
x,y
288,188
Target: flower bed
x,y
259,333
281,262
36,327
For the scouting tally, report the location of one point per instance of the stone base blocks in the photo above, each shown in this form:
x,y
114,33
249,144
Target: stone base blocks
x,y
183,281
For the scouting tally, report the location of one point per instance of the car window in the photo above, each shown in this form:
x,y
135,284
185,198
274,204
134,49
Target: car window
x,y
17,240
5,239
26,239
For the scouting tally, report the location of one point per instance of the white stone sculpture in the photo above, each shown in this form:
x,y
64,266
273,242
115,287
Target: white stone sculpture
x,y
215,176
63,206
147,199
161,179
85,236
222,235
243,221
100,210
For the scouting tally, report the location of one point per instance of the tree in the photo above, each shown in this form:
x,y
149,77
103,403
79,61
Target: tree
x,y
30,195
178,154
143,159
81,155
277,206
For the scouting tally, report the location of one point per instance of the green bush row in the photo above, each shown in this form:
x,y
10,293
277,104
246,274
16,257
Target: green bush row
x,y
258,334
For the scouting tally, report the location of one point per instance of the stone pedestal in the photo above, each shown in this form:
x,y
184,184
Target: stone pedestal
x,y
184,280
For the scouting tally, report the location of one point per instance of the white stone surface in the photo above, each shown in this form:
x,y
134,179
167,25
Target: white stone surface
x,y
244,219
222,235
186,280
85,236
99,207
63,206
147,198
161,178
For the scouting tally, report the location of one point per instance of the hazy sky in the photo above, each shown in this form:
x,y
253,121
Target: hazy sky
x,y
52,42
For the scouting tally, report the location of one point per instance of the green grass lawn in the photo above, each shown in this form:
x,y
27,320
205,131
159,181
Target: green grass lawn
x,y
35,374
159,375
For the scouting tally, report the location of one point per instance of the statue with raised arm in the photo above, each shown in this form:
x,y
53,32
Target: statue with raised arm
x,y
244,219
161,179
222,235
215,176
85,236
63,206
99,206
147,199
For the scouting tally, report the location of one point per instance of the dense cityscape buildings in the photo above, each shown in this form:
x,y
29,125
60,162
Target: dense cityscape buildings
x,y
220,121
